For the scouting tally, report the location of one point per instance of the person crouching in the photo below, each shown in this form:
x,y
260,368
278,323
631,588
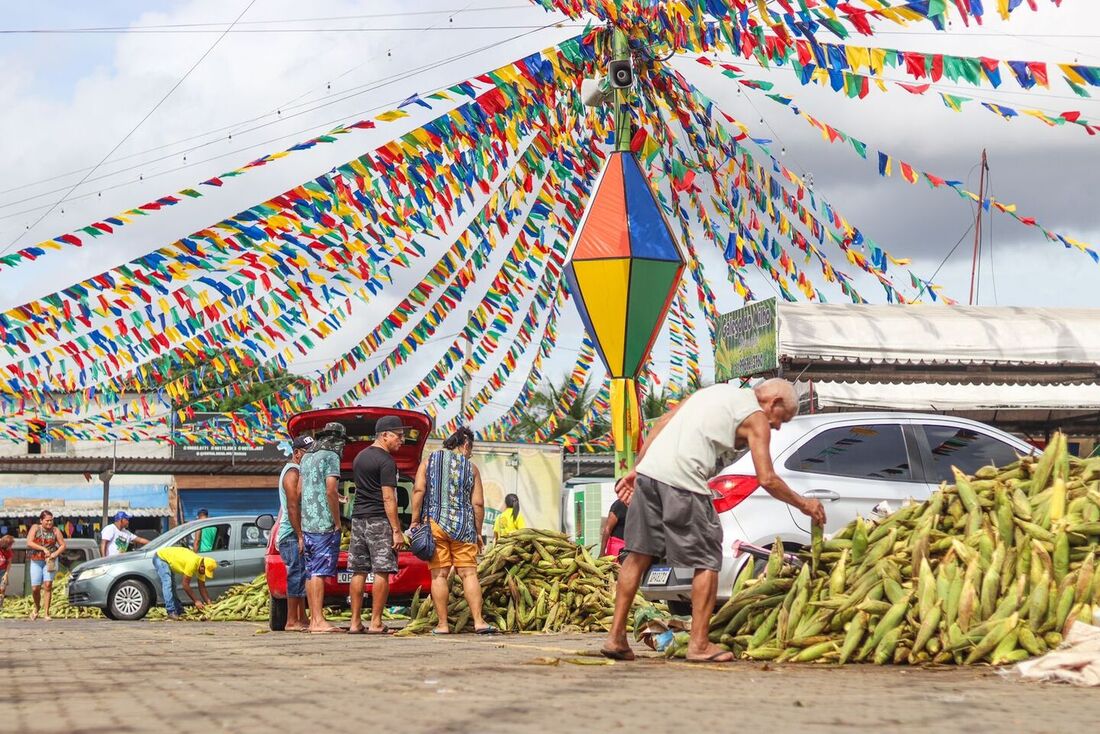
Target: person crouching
x,y
188,564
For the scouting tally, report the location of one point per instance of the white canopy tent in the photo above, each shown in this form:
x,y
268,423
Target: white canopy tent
x,y
1025,369
952,344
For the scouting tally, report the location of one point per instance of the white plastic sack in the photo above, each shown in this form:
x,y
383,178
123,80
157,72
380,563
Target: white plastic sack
x,y
1077,661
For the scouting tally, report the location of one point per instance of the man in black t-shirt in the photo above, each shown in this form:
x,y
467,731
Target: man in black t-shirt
x,y
375,528
611,539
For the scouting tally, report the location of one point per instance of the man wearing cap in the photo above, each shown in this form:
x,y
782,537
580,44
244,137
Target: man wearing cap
x,y
186,563
319,481
375,528
289,538
116,538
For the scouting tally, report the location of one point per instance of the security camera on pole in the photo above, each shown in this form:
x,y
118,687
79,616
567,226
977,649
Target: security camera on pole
x,y
624,262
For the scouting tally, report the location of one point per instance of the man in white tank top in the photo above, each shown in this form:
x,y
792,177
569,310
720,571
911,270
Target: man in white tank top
x,y
672,512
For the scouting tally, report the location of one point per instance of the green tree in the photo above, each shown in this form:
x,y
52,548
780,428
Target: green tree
x,y
544,404
224,392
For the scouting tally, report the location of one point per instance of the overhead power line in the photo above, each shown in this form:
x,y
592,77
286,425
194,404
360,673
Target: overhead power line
x,y
219,26
134,129
322,126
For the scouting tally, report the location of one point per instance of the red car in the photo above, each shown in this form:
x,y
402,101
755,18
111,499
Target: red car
x,y
412,573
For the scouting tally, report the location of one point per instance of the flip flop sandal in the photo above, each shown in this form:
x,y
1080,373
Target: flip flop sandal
x,y
383,631
625,655
490,630
437,632
331,631
712,658
360,631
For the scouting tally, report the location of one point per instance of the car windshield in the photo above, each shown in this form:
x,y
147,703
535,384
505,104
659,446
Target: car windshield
x,y
169,538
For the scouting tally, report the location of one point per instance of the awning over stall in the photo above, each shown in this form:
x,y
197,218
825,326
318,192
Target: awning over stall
x,y
83,500
953,344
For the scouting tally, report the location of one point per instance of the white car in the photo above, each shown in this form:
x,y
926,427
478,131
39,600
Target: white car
x,y
850,462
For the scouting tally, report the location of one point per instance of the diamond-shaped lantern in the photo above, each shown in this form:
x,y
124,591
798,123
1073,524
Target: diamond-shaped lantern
x,y
623,272
625,266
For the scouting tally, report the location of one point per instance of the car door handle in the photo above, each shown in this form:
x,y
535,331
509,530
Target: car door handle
x,y
223,564
826,495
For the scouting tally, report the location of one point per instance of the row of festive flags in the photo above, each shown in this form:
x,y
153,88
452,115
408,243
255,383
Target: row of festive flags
x,y
679,25
468,254
187,312
913,175
835,229
110,224
393,181
583,167
584,163
392,159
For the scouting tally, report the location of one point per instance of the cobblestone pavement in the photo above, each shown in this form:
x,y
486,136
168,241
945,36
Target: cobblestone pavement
x,y
100,676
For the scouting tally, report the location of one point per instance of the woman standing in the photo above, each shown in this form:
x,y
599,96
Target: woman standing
x,y
44,544
448,490
611,538
509,520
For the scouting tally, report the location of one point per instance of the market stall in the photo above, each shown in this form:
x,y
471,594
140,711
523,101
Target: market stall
x,y
1028,370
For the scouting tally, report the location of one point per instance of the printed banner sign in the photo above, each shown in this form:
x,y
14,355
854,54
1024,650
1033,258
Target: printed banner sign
x,y
746,341
225,449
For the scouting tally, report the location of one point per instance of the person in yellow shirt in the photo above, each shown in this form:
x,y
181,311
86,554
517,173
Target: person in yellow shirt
x,y
508,521
189,564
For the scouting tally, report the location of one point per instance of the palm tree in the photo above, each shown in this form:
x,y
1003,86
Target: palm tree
x,y
544,403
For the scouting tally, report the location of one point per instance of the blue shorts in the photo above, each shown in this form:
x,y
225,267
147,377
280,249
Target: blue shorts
x,y
39,573
322,553
295,567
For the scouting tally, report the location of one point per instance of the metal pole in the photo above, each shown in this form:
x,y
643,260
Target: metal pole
x,y
620,51
978,227
465,398
105,477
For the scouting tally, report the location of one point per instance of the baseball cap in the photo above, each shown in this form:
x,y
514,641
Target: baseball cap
x,y
390,423
209,565
333,429
120,515
302,442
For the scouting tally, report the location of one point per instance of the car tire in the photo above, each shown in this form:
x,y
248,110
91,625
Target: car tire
x,y
130,600
679,607
276,616
108,613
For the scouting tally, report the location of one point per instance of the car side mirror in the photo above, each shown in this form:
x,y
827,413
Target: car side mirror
x,y
265,522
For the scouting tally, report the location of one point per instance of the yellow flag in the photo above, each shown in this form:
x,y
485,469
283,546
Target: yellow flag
x,y
392,115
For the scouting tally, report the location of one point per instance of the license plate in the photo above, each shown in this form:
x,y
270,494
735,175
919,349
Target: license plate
x,y
658,576
344,577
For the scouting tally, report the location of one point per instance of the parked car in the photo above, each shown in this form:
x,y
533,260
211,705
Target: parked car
x,y
126,586
77,551
412,573
851,462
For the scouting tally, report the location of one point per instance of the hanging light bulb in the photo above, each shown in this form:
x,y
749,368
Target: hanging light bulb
x,y
783,151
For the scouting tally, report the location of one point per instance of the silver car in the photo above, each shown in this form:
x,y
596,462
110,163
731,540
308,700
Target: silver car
x,y
126,586
851,462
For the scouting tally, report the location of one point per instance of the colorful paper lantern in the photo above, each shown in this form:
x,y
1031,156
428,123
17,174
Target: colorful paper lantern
x,y
624,266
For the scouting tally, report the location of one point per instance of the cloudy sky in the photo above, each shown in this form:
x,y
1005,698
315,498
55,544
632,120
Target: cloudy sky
x,y
291,70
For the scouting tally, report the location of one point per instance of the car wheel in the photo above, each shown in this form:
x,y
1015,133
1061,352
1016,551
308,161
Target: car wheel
x,y
130,600
679,607
276,617
108,613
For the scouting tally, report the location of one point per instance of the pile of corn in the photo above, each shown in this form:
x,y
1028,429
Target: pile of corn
x,y
535,581
994,568
20,607
240,603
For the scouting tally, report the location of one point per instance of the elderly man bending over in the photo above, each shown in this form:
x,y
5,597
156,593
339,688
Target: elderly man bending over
x,y
672,514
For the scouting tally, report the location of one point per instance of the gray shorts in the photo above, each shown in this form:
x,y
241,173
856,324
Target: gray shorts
x,y
679,526
371,549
